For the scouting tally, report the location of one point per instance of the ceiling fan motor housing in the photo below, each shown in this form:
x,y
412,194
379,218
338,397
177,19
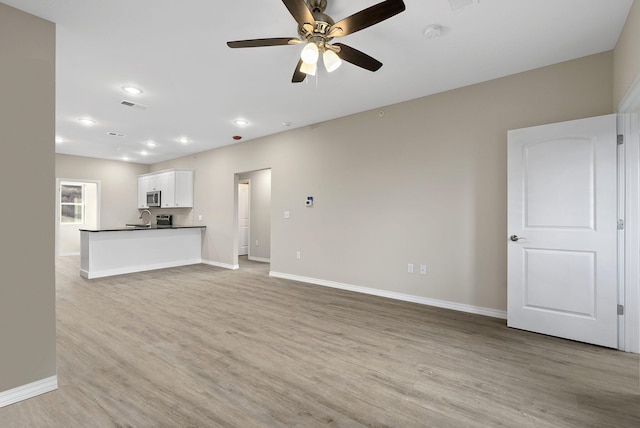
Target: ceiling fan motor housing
x,y
317,5
319,30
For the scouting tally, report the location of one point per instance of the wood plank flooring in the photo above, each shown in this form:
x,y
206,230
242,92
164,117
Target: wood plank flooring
x,y
199,346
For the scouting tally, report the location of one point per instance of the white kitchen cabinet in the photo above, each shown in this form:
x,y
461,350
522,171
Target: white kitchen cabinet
x,y
167,185
183,188
143,188
175,185
154,182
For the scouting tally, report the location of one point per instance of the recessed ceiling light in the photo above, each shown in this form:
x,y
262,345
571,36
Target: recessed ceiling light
x,y
286,124
59,140
241,122
150,144
132,90
86,121
184,140
144,153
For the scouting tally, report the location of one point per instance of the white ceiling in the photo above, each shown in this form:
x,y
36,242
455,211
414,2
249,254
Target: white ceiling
x,y
195,86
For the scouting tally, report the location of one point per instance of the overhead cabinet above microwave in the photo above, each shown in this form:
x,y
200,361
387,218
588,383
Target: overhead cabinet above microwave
x,y
175,187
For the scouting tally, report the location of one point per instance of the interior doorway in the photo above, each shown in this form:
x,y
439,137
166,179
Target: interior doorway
x,y
77,207
253,216
244,224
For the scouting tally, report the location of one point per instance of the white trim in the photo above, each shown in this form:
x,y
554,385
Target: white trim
x,y
489,312
259,259
133,269
622,128
29,390
221,265
630,108
630,331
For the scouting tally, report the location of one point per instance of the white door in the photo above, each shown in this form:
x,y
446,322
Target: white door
x,y
77,208
243,219
562,230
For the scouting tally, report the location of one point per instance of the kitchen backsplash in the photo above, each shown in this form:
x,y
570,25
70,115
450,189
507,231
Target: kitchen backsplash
x,y
181,216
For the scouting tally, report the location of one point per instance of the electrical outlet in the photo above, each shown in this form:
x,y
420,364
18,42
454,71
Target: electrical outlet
x,y
410,268
286,214
298,255
200,217
423,269
257,243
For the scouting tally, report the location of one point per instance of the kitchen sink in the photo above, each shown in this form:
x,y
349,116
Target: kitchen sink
x,y
139,226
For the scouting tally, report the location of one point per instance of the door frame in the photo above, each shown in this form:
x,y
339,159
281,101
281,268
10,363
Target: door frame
x,y
57,206
629,126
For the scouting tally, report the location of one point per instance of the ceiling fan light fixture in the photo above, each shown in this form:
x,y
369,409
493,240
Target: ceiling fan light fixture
x,y
331,60
309,53
309,69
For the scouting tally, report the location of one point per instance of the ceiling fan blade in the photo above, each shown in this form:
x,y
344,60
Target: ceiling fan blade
x,y
299,11
367,17
355,57
256,43
298,76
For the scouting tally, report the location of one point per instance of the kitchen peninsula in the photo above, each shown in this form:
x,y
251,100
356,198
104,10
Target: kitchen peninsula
x,y
108,252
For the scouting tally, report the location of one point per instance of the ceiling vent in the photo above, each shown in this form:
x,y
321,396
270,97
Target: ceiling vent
x,y
458,5
114,134
134,105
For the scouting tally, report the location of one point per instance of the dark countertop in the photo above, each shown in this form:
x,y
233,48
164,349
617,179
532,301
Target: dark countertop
x,y
136,227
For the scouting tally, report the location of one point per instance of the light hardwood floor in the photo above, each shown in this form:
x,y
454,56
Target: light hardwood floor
x,y
200,346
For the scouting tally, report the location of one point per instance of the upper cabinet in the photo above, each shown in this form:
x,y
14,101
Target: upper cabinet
x,y
183,188
143,188
175,185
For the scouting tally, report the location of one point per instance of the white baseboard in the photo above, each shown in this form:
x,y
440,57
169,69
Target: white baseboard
x,y
121,271
221,265
259,259
29,390
478,310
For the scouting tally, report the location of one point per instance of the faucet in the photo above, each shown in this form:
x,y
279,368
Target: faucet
x,y
142,213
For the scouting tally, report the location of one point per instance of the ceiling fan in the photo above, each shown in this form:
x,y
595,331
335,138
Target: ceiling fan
x,y
316,30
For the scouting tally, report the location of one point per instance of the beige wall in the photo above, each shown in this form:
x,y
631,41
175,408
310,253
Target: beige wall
x,y
424,184
627,55
27,122
118,185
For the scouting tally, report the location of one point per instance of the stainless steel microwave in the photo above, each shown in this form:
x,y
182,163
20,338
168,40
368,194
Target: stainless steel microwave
x,y
153,198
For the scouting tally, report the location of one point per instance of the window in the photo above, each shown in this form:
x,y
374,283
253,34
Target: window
x,y
72,203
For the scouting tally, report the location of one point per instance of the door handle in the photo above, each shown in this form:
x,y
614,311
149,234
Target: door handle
x,y
516,238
